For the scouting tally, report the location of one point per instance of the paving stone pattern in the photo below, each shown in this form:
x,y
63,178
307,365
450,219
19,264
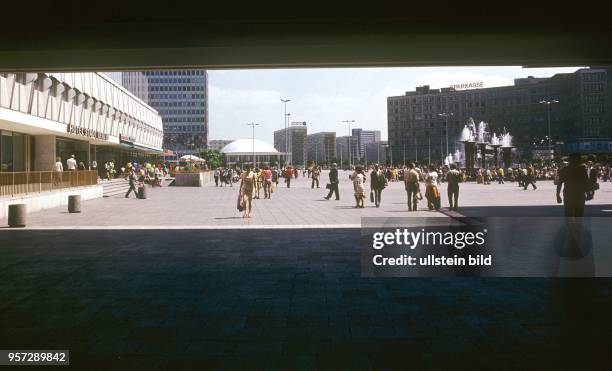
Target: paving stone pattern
x,y
280,300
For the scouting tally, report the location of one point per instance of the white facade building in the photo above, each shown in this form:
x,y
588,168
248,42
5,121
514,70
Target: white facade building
x,y
49,115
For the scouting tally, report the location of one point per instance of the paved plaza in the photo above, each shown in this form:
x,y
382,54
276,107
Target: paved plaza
x,y
300,205
180,281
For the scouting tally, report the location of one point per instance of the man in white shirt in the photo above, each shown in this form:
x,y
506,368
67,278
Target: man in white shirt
x,y
72,164
58,165
58,168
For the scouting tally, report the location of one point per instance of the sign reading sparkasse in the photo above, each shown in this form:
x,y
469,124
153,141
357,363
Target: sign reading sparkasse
x,y
468,85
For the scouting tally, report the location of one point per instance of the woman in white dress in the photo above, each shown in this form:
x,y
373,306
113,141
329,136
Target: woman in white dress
x,y
359,180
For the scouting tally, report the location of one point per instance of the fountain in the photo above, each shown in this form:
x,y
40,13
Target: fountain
x,y
495,144
468,139
477,140
506,145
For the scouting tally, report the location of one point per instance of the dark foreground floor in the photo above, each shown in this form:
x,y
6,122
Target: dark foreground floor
x,y
280,299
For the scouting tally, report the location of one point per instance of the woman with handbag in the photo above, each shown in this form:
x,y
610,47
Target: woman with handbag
x,y
247,188
359,179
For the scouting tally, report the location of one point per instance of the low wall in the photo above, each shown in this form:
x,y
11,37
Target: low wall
x,y
47,200
193,179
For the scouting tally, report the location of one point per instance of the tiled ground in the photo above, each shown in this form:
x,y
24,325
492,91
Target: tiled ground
x,y
300,205
280,300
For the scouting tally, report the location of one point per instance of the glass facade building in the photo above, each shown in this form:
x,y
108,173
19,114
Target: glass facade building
x,y
181,98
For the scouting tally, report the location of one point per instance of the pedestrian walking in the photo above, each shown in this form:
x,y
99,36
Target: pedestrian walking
x,y
411,184
216,175
333,182
316,172
530,178
132,178
500,175
245,194
575,183
453,177
359,179
71,163
288,176
267,182
431,192
378,182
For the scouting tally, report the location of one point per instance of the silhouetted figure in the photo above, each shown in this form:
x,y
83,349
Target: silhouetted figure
x,y
575,181
530,179
453,187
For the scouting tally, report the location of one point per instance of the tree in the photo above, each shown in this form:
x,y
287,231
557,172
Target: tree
x,y
213,158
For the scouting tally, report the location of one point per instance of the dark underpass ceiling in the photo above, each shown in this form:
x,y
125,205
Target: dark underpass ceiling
x,y
137,35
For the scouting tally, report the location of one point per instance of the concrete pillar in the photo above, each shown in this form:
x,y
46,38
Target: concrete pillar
x,y
17,215
44,152
74,203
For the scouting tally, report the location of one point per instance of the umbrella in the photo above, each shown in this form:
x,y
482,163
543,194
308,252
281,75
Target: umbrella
x,y
191,158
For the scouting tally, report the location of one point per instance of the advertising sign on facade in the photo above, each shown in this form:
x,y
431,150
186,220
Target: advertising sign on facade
x,y
85,132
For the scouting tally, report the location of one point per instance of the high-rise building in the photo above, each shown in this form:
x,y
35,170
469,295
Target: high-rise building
x,y
417,128
376,152
181,98
137,83
295,137
322,147
361,138
342,150
342,153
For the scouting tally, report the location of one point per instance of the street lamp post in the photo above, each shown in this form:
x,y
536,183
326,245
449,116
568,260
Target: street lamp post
x,y
548,103
253,125
285,101
349,142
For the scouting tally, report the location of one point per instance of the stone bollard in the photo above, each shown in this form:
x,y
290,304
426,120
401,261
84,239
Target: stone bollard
x,y
17,215
74,203
142,193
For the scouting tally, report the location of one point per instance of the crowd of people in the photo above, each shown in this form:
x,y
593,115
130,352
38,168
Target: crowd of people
x,y
425,182
254,180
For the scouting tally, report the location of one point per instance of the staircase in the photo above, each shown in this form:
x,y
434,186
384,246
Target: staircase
x,y
120,186
114,187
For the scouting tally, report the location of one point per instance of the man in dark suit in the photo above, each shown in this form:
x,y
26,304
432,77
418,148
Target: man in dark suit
x,y
575,181
333,182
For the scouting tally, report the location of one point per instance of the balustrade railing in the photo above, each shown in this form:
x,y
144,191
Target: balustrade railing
x,y
18,183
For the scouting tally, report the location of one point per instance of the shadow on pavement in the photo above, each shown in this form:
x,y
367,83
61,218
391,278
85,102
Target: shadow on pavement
x,y
279,300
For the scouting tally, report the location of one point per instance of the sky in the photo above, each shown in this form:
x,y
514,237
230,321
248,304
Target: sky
x,y
326,97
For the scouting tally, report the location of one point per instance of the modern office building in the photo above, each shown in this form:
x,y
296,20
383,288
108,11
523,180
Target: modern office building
x,y
376,152
417,128
137,83
49,115
218,144
181,98
361,138
322,147
295,138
